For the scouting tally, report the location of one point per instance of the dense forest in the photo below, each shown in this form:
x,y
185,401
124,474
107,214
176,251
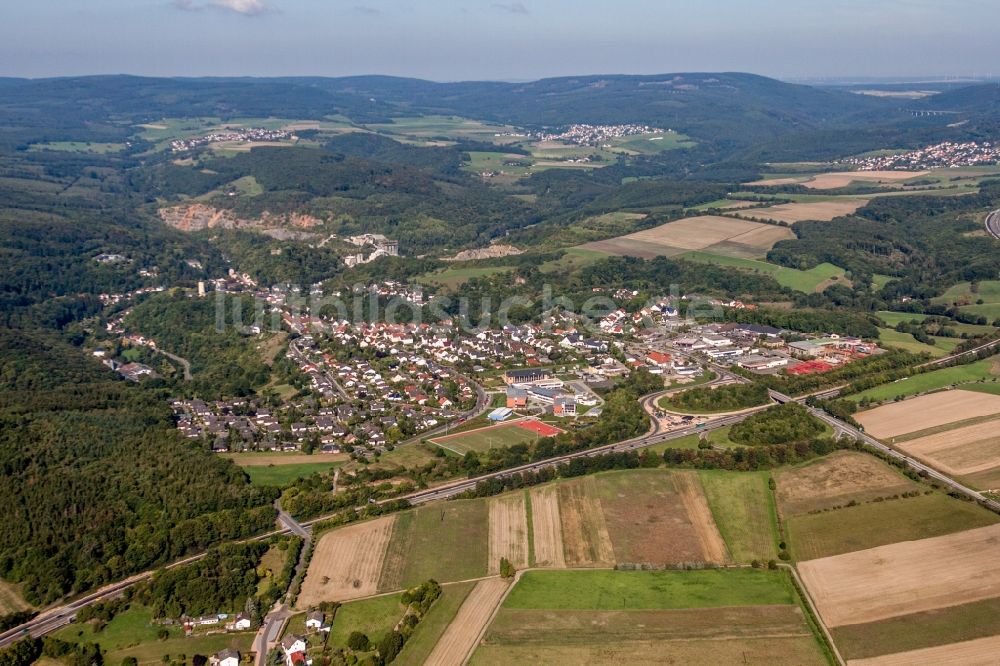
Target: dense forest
x,y
98,482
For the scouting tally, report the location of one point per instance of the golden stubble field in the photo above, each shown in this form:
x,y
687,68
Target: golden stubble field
x,y
347,563
710,233
906,577
927,411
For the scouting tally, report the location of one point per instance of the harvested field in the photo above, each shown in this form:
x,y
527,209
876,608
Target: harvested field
x,y
546,527
347,563
927,411
792,651
713,548
659,517
463,633
585,534
823,211
903,578
836,480
508,532
978,652
830,181
967,450
696,233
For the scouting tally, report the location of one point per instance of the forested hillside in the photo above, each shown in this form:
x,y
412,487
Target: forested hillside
x,y
97,482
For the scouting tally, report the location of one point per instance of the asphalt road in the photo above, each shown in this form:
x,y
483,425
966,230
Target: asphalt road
x,y
993,224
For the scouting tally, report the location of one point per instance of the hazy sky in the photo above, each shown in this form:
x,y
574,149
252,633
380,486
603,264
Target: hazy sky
x,y
503,39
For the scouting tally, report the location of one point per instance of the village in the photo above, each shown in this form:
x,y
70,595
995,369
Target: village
x,y
948,154
235,134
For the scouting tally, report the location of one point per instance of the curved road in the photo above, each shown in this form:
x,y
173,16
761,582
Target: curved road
x,y
993,224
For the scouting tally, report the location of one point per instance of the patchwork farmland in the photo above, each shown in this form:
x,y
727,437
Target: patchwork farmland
x,y
723,616
643,517
903,598
851,501
954,431
822,211
838,179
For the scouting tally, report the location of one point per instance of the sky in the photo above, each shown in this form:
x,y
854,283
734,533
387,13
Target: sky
x,y
449,40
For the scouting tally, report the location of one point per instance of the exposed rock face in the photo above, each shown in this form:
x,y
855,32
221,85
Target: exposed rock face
x,y
195,217
491,252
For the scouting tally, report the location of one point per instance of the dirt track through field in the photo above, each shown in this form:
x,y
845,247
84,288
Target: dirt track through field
x,y
546,527
927,411
347,563
978,652
693,495
508,532
469,623
586,540
907,577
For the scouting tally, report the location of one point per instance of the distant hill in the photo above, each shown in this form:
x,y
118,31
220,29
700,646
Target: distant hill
x,y
725,107
977,99
721,106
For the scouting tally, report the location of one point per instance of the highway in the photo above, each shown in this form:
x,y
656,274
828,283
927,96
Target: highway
x,y
851,431
56,617
993,224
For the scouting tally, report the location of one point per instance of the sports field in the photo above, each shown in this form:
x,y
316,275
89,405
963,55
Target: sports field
x,y
722,616
497,436
713,234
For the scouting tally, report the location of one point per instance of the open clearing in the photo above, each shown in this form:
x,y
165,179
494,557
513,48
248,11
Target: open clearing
x,y
838,179
813,279
11,600
586,541
546,527
878,523
978,652
508,532
927,411
712,233
836,480
904,578
463,633
658,517
373,617
743,510
347,562
823,211
942,346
